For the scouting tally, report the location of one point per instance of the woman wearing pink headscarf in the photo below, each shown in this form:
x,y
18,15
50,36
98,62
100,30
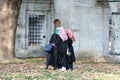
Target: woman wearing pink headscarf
x,y
70,34
62,48
58,55
62,33
71,57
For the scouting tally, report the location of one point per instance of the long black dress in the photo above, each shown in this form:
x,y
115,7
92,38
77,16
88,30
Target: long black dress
x,y
71,58
62,49
57,58
53,55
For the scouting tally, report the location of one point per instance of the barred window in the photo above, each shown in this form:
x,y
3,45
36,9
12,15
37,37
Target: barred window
x,y
35,29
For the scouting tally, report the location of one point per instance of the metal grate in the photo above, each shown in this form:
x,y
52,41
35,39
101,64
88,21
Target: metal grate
x,y
35,29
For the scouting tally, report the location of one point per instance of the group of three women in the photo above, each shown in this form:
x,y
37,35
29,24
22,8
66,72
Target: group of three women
x,y
62,41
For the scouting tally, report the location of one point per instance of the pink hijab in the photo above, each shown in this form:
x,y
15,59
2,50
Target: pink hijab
x,y
62,33
70,34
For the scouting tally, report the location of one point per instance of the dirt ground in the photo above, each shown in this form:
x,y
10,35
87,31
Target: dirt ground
x,y
34,69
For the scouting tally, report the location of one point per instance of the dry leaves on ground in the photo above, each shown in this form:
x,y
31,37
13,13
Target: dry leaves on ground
x,y
34,69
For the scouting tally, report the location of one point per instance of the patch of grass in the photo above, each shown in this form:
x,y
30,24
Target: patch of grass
x,y
89,62
98,70
21,76
1,73
55,76
15,62
69,76
89,69
31,60
45,74
8,78
34,60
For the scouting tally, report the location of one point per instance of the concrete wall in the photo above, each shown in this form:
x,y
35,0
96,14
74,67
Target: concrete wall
x,y
115,6
89,21
115,10
115,38
33,7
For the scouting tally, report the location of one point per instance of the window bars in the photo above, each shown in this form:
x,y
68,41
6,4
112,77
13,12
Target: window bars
x,y
35,29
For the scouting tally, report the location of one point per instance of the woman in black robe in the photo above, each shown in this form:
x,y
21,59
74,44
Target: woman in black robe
x,y
58,54
71,57
51,58
61,51
62,48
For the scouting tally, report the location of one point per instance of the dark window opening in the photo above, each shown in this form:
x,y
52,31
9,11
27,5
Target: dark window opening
x,y
35,29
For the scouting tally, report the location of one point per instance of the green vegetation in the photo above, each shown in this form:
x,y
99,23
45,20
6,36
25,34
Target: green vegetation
x,y
21,76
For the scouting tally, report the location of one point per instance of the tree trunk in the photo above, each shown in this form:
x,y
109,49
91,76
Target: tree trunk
x,y
9,11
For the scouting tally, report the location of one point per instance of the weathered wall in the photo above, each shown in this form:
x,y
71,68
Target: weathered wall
x,y
115,29
87,18
89,21
115,6
30,7
115,10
